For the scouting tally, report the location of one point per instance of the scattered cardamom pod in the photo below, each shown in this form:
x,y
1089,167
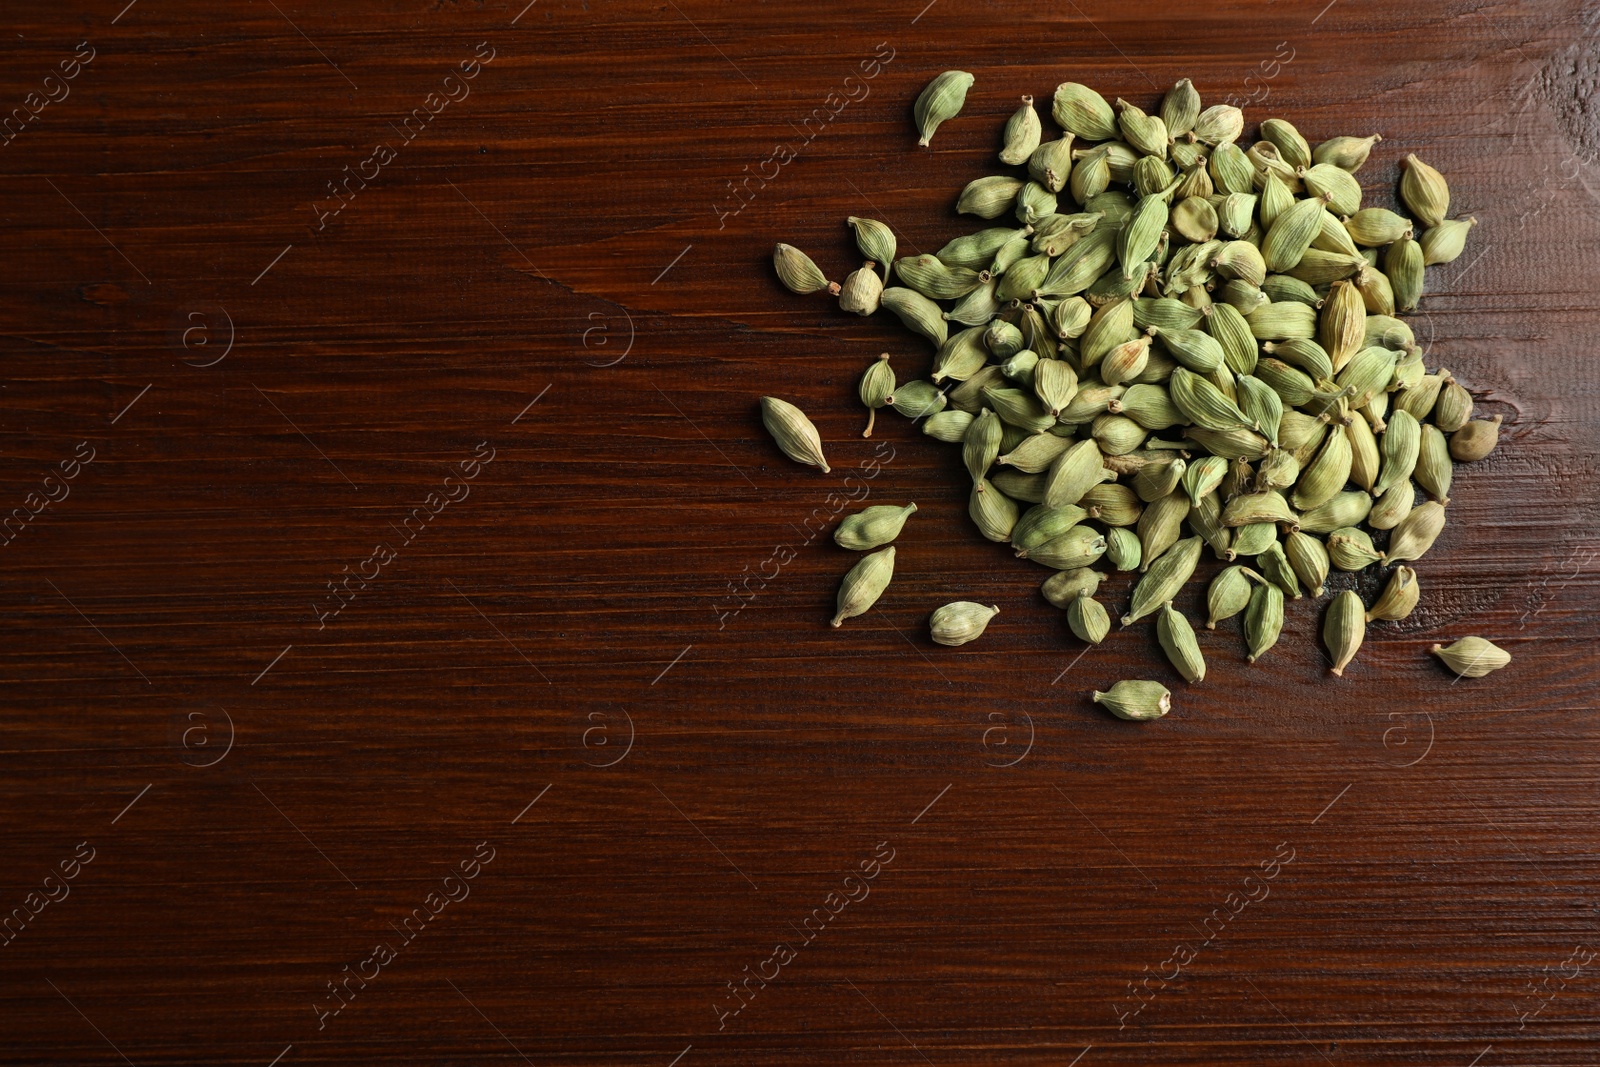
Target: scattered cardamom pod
x,y
797,271
1138,701
863,584
793,433
1088,619
1343,629
960,622
1472,657
940,101
1398,598
872,527
1179,643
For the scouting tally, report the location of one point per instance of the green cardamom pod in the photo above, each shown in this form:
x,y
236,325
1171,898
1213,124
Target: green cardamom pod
x,y
1050,164
1309,559
1064,587
1263,619
1163,578
1020,409
1147,133
1205,519
1230,170
1453,408
1137,240
1443,243
862,290
876,241
989,198
976,251
1342,509
939,102
1400,446
1029,488
948,426
981,445
1025,278
1335,185
1253,538
872,527
929,276
1346,152
1343,629
1178,641
919,314
793,433
1274,565
1088,618
1419,398
1228,595
1237,443
1036,452
1374,227
1138,701
1424,190
1351,549
1083,112
1472,657
1219,124
959,622
1160,525
1291,232
917,399
797,271
1078,547
961,356
1367,374
1156,480
1304,354
1391,509
994,513
1021,134
1035,203
863,584
1261,406
1417,532
1398,598
1475,440
1123,548
1291,146
1281,320
876,389
1042,523
1279,470
1365,458
1403,263
1377,295
1117,505
1180,107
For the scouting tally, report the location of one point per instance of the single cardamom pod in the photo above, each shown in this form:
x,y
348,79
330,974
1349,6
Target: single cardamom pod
x,y
1021,134
1158,479
989,198
1228,595
1433,470
1424,190
1179,643
1351,549
1078,547
1291,146
1035,452
1342,509
1443,243
1161,524
959,622
1050,163
1083,112
1279,470
939,102
1343,629
1400,445
1205,518
919,314
1346,152
1391,509
1416,532
1219,124
797,271
981,445
1247,509
1341,190
876,389
1180,108
961,356
1374,227
1123,548
863,584
872,527
1064,587
1261,406
1254,538
948,426
1472,657
875,240
992,511
793,433
1117,505
917,399
1203,476
1403,263
1137,701
1304,354
1398,598
976,250
1042,523
1028,488
1309,559
1088,619
862,290
1147,133
929,276
1230,170
1263,619
1035,203
1475,440
1266,159
1232,444
1055,383
1453,408
1137,240
1163,578
1365,458
1274,565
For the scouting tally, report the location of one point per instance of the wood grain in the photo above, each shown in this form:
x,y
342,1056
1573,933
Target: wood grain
x,y
550,272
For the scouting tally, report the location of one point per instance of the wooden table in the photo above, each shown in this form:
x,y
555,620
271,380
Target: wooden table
x,y
426,658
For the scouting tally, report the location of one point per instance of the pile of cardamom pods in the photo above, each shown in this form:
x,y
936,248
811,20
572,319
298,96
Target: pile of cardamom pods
x,y
1171,343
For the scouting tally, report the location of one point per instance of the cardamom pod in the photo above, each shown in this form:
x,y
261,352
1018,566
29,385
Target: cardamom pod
x,y
1346,152
1228,595
959,622
1180,108
1219,124
1274,565
1472,657
1453,408
1374,227
939,102
1263,620
1417,532
1424,190
1400,446
1475,440
917,399
994,513
1163,578
862,290
1343,629
1084,113
1351,549
1442,243
1178,641
1078,547
1147,133
1342,509
1042,523
948,426
1403,263
872,527
797,271
1088,618
1064,587
1138,701
1309,559
989,198
876,241
1291,146
1022,134
919,314
793,433
1123,548
1391,509
876,389
863,584
1398,598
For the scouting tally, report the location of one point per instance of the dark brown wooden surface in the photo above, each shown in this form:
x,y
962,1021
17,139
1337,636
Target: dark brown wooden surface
x,y
268,397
